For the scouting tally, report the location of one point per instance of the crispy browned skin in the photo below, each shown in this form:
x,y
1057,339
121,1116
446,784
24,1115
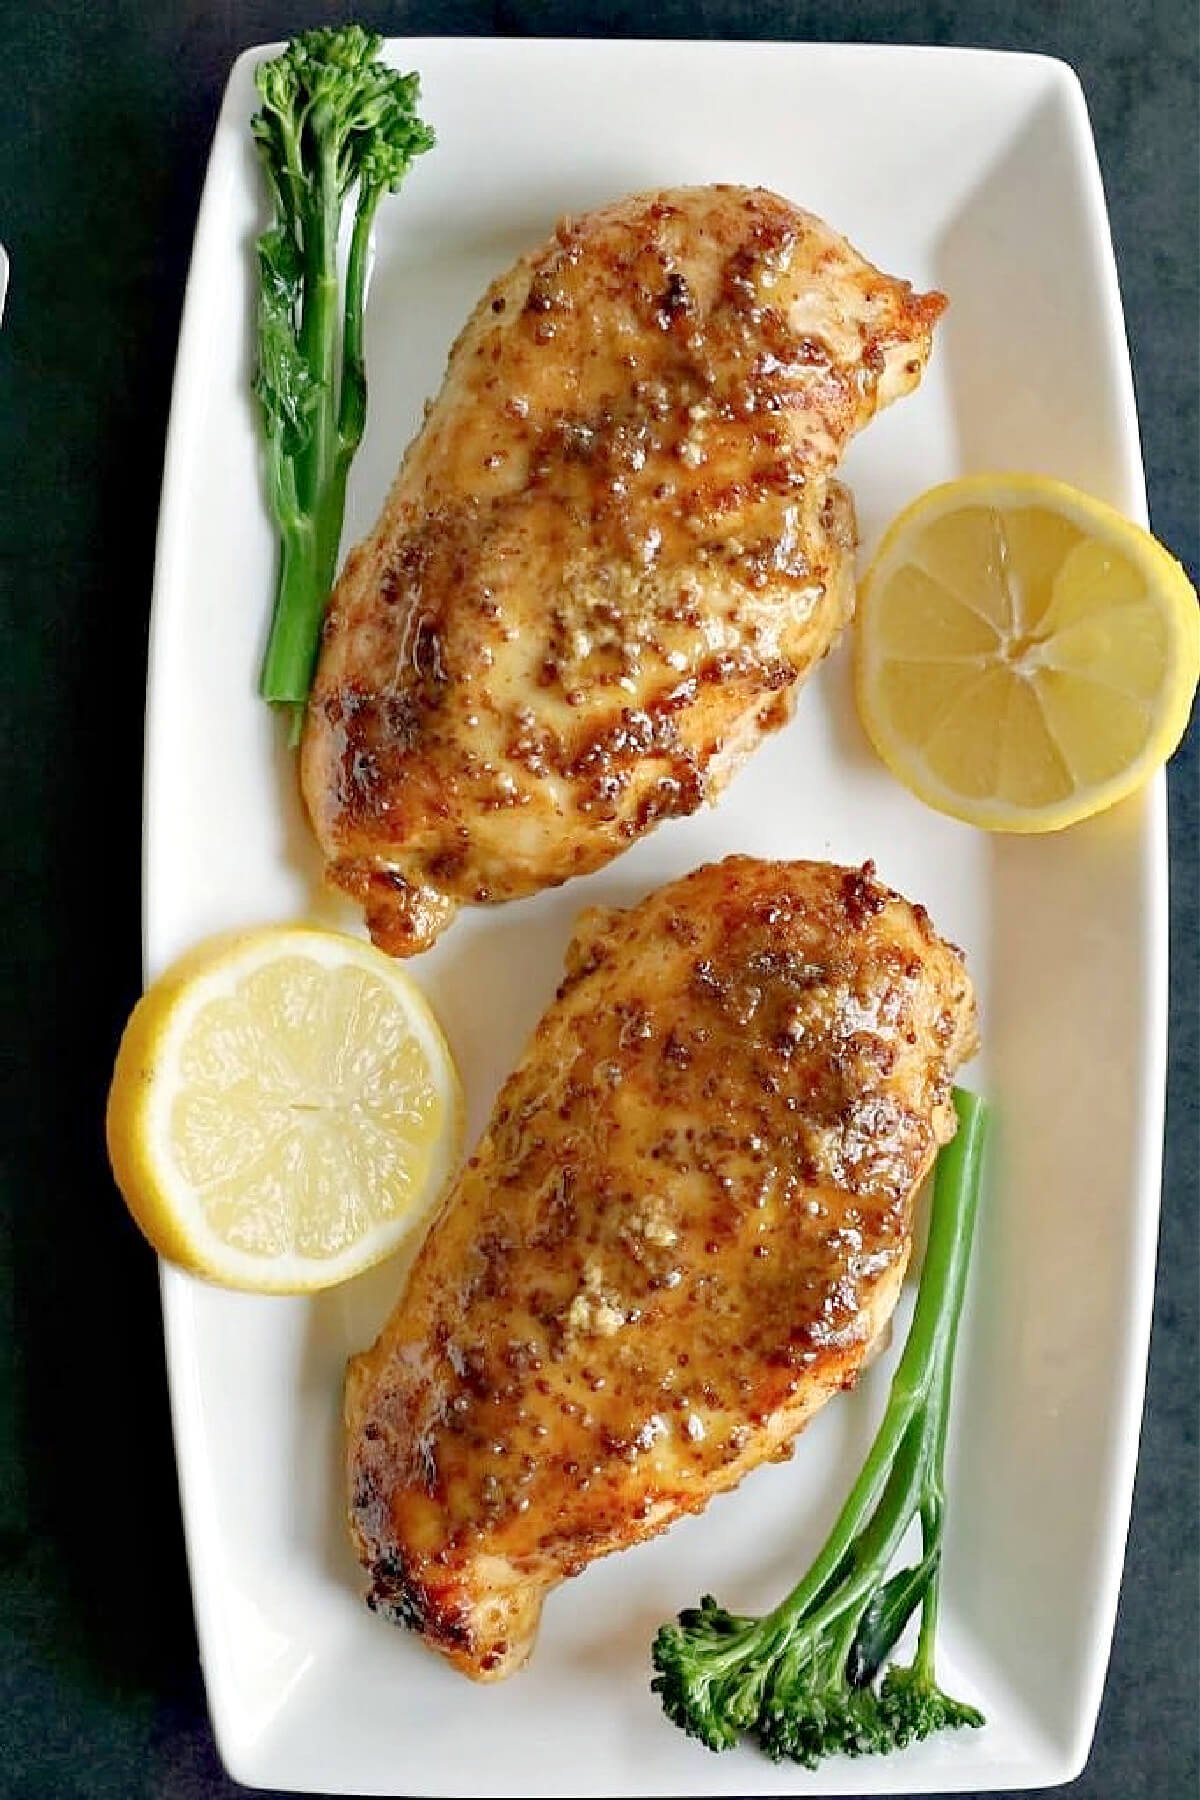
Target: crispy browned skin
x,y
609,556
684,1228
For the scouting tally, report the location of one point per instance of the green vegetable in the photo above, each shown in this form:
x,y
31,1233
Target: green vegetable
x,y
334,121
803,1680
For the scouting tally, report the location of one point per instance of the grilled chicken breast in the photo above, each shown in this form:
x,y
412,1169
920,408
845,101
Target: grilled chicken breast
x,y
683,1229
611,553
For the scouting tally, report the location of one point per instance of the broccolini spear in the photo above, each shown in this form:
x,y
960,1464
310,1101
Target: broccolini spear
x,y
803,1679
334,121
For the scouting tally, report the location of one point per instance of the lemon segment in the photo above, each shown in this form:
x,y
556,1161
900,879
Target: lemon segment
x,y
1024,655
284,1110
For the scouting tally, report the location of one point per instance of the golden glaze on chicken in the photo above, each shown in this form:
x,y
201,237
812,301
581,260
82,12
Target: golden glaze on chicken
x,y
684,1228
609,556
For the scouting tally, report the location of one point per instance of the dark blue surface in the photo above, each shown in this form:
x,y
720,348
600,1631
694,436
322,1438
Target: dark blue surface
x,y
104,128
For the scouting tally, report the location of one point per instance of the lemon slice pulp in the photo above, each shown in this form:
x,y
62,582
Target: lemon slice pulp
x,y
1024,655
284,1110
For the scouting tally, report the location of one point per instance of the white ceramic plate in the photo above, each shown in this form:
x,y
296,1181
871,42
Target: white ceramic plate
x,y
971,171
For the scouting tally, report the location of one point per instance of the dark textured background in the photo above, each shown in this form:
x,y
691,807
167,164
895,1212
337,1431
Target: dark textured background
x,y
107,110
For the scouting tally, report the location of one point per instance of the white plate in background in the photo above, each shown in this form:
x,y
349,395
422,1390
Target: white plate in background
x,y
967,170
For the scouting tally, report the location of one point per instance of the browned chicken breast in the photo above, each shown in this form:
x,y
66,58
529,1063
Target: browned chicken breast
x,y
609,556
684,1228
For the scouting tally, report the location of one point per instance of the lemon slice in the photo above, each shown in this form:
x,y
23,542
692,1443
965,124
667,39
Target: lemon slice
x,y
1025,656
284,1110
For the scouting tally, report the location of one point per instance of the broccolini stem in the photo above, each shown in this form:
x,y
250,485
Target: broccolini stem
x,y
959,1169
334,117
931,1532
957,1186
878,1542
803,1677
289,628
891,1470
290,177
352,408
309,546
319,330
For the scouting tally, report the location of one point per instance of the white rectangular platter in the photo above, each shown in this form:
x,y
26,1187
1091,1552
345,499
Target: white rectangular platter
x,y
970,171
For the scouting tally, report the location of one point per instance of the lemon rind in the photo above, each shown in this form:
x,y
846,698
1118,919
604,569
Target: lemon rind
x,y
167,1212
1164,575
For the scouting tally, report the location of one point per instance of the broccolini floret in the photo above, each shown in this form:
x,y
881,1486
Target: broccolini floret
x,y
335,122
804,1680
